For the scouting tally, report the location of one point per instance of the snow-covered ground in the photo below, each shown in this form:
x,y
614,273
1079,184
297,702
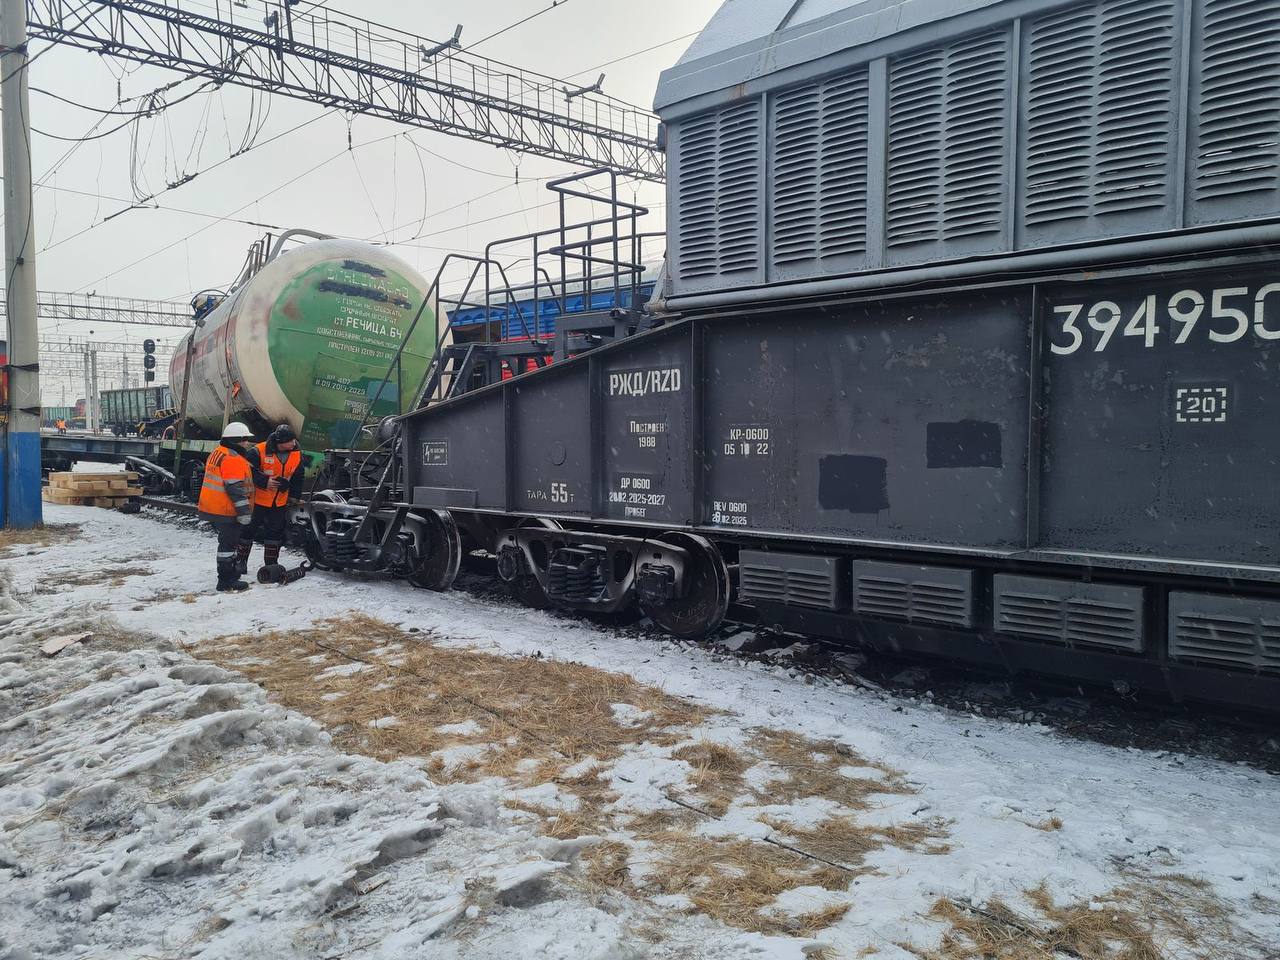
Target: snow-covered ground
x,y
156,802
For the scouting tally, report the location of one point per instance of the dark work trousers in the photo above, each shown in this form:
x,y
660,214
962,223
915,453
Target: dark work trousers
x,y
267,526
229,535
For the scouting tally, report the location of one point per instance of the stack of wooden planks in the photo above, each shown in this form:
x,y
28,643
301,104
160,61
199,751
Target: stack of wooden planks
x,y
92,489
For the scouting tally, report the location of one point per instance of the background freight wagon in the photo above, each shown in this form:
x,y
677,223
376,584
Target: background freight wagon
x,y
51,415
123,410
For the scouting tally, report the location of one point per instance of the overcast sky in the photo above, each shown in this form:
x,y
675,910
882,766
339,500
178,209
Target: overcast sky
x,y
470,195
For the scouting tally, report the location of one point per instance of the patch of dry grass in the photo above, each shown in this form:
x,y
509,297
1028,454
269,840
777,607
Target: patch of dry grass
x,y
532,722
529,720
42,535
654,823
737,881
114,576
607,865
812,768
842,840
798,768
1150,917
717,776
584,820
807,924
109,635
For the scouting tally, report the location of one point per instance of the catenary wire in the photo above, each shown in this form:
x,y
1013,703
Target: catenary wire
x,y
628,56
299,126
292,180
26,64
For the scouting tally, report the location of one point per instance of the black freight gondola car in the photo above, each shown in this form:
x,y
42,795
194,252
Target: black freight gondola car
x,y
969,344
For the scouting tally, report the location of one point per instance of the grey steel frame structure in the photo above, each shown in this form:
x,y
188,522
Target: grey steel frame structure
x,y
130,311
353,64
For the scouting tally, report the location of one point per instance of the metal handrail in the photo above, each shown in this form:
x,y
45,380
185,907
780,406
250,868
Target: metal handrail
x,y
571,248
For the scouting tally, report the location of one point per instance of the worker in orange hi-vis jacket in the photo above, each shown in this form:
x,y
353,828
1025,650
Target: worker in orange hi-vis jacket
x,y
226,500
277,480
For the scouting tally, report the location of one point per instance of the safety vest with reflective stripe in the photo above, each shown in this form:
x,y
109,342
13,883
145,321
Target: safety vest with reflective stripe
x,y
225,467
274,466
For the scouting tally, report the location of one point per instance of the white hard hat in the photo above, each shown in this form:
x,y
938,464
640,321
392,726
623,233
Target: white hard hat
x,y
235,430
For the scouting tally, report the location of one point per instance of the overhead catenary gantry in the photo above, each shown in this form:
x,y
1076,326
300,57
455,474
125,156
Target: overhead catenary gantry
x,y
131,311
79,345
353,64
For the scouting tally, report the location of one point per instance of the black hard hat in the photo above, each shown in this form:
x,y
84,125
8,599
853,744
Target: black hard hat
x,y
283,434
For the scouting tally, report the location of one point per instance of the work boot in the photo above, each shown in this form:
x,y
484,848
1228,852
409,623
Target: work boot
x,y
270,554
229,576
242,558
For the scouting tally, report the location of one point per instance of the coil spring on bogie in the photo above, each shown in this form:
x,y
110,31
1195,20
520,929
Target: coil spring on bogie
x,y
574,576
340,539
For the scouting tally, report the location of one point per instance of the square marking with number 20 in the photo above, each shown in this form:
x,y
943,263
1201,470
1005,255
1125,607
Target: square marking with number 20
x,y
1200,404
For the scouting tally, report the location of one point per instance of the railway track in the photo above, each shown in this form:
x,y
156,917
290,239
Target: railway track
x,y
1095,715
177,507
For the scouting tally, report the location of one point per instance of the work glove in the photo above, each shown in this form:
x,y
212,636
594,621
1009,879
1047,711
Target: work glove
x,y
244,519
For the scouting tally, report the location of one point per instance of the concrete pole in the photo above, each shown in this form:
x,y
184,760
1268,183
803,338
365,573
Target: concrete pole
x,y
95,403
20,470
180,435
124,372
88,388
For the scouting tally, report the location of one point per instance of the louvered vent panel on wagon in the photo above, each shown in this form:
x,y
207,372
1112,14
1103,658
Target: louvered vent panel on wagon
x,y
948,120
916,97
1235,115
1136,90
977,124
1058,101
842,205
901,591
762,581
1225,631
738,215
1098,120
1066,611
795,152
798,579
818,177
696,197
718,198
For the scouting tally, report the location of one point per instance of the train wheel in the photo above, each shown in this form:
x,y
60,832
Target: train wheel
x,y
312,547
529,592
314,550
438,567
526,587
706,599
192,481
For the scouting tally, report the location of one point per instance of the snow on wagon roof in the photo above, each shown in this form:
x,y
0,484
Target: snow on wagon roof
x,y
747,39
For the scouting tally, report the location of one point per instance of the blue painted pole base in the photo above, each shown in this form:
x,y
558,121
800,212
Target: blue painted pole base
x,y
20,481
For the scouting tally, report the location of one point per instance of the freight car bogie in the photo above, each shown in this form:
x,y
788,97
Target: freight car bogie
x,y
422,546
677,579
1181,637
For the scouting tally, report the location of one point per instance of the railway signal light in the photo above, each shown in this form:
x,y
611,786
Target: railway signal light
x,y
148,360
